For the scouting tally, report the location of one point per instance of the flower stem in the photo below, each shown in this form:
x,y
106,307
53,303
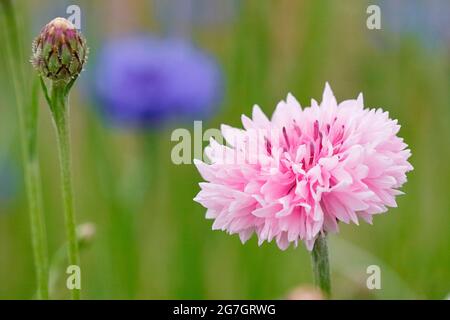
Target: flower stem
x,y
28,115
59,107
321,265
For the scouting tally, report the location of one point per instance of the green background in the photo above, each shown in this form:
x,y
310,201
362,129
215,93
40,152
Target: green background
x,y
152,240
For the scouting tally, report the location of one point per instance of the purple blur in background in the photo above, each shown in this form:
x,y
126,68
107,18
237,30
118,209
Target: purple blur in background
x,y
147,81
427,21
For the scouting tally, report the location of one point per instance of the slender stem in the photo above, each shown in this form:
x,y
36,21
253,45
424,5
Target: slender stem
x,y
59,108
28,135
34,192
321,265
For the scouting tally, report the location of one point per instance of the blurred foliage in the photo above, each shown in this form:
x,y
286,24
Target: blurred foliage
x,y
152,240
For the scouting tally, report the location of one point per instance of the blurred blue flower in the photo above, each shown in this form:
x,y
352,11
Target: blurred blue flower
x,y
144,81
428,21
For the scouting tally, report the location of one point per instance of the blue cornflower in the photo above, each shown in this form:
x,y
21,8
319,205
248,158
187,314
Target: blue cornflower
x,y
145,81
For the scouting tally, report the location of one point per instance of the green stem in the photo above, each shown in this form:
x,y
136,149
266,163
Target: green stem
x,y
321,265
28,135
34,192
60,110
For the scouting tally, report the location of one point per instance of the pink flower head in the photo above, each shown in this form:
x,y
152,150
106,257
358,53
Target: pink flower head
x,y
299,174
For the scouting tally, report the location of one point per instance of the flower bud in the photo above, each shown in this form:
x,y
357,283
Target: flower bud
x,y
60,51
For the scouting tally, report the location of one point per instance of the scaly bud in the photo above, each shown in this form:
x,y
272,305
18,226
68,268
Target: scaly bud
x,y
60,51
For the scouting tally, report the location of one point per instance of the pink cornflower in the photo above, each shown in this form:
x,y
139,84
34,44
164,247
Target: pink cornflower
x,y
297,175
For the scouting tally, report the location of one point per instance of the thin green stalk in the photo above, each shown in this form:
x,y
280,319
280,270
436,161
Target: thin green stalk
x,y
28,135
60,110
34,191
321,265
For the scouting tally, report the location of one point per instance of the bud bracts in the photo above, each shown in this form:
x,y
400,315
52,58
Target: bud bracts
x,y
60,51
